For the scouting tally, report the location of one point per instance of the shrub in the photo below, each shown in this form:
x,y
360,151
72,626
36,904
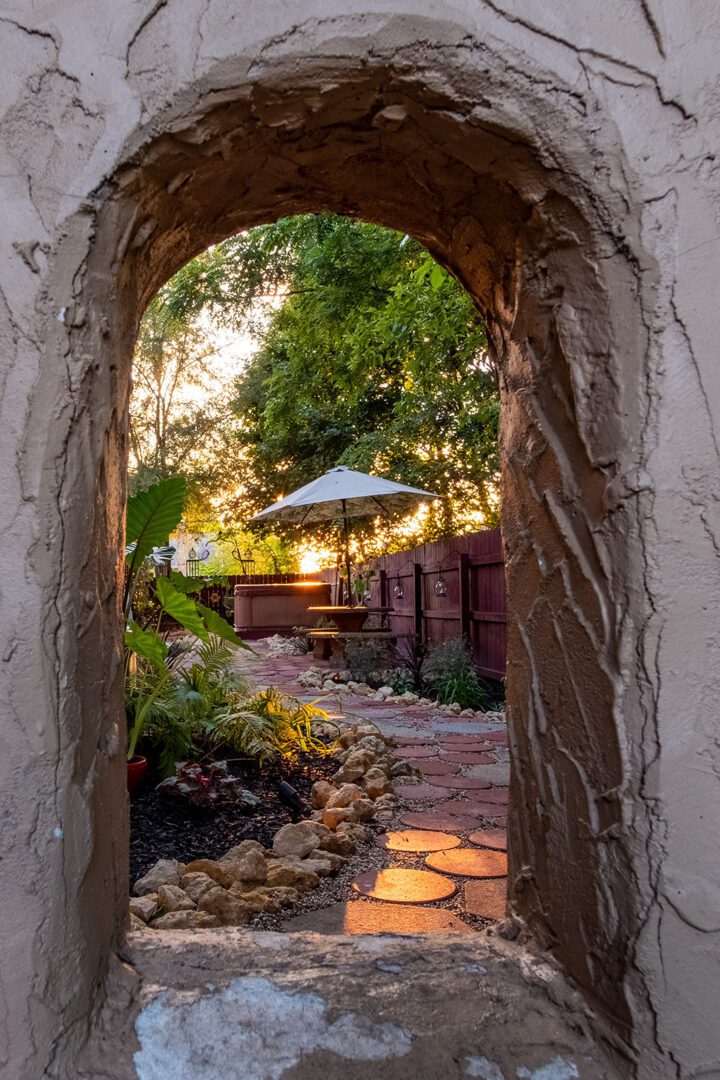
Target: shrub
x,y
364,658
207,787
449,671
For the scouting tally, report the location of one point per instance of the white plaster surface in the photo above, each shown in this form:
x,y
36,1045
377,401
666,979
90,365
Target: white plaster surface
x,y
251,1030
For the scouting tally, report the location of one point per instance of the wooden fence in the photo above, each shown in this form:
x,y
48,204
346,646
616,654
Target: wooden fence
x,y
449,588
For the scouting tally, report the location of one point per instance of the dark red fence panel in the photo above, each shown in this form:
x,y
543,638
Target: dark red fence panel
x,y
441,590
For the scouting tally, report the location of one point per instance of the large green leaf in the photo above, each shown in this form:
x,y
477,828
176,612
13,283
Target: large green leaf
x,y
221,627
152,515
181,608
146,643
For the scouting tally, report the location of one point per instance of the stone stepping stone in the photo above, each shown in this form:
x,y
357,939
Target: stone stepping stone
x,y
499,737
468,862
418,840
496,774
414,751
473,744
464,783
496,795
488,898
377,918
434,767
466,758
405,886
473,810
490,838
439,822
420,791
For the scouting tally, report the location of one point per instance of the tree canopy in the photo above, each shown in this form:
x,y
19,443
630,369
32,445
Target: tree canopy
x,y
369,354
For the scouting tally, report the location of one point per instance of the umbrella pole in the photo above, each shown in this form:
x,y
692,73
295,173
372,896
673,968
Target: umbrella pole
x,y
347,554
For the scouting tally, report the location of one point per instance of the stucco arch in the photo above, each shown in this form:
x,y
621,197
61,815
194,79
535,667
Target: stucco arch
x,y
515,172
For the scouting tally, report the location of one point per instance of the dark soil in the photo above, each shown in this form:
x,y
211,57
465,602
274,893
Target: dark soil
x,y
166,827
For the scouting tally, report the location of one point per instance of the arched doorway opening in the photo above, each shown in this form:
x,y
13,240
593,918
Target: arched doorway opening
x,y
531,230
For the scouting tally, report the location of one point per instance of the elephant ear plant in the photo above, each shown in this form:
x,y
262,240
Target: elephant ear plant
x,y
152,515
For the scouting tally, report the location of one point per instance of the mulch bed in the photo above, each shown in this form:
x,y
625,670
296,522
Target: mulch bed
x,y
163,827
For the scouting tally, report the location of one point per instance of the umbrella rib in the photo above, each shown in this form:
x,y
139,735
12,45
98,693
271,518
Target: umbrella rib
x,y
384,510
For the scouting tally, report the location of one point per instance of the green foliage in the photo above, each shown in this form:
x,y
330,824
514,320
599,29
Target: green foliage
x,y
181,608
365,658
401,681
377,360
449,671
268,725
151,516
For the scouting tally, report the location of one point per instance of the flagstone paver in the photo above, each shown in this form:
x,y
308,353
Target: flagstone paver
x,y
469,862
418,840
413,792
405,886
434,820
461,801
490,838
463,783
377,918
486,898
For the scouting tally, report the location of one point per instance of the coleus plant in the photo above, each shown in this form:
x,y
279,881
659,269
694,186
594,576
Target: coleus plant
x,y
207,787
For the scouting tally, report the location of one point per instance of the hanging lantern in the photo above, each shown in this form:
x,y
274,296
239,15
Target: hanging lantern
x,y
440,585
192,555
398,591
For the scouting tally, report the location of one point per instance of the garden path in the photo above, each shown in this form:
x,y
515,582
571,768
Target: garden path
x,y
444,847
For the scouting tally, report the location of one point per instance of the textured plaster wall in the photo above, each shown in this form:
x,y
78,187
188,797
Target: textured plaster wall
x,y
560,159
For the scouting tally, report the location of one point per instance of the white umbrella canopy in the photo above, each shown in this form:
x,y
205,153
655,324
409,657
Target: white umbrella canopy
x,y
340,494
343,493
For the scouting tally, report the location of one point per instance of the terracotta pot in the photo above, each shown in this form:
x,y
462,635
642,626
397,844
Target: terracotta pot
x,y
136,770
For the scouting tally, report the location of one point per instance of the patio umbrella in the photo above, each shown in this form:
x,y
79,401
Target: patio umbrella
x,y
339,495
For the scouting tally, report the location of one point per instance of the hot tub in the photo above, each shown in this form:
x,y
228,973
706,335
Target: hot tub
x,y
262,610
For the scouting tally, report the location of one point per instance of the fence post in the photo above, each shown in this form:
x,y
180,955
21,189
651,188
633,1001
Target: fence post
x,y
464,576
418,600
383,596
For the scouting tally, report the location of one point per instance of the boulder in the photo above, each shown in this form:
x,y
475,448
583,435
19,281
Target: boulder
x,y
299,839
284,895
355,766
321,831
186,920
213,870
164,872
376,783
293,875
363,809
196,885
260,900
242,849
173,898
338,844
228,908
384,691
136,923
251,866
386,802
320,793
401,768
338,814
144,907
359,834
345,796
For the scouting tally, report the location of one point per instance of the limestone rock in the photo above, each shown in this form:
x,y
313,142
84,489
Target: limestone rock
x,y
144,907
213,870
401,768
261,900
385,691
293,875
173,898
338,844
359,834
284,895
164,872
387,802
376,783
136,923
320,793
186,920
228,908
242,849
345,796
196,885
248,867
299,839
363,809
338,814
355,766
